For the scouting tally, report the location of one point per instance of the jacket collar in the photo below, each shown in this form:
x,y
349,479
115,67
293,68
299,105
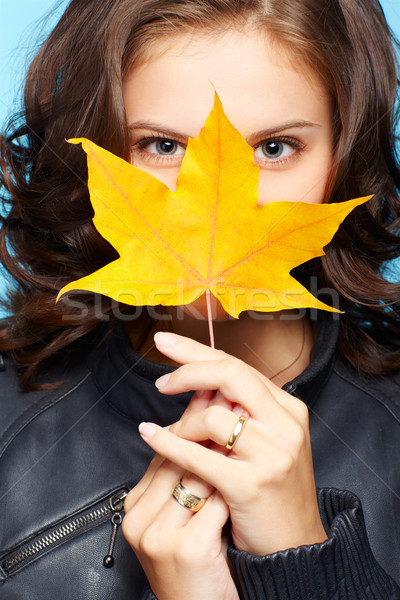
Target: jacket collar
x,y
308,384
126,379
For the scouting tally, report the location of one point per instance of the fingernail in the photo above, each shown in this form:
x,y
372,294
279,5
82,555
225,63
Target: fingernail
x,y
162,381
146,429
238,410
163,338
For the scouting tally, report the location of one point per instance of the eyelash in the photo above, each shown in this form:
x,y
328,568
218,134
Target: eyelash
x,y
141,145
294,143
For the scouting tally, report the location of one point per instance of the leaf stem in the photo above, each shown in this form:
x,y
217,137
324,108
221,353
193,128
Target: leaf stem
x,y
209,315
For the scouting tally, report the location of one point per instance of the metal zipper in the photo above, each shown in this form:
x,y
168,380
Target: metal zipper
x,y
116,504
31,550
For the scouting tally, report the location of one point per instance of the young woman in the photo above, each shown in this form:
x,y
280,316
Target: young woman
x,y
287,448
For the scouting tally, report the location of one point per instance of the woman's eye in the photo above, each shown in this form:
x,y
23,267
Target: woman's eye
x,y
162,147
277,150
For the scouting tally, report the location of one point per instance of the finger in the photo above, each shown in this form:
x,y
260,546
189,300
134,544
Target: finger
x,y
145,511
190,456
219,400
217,424
209,521
297,409
185,350
196,486
157,503
173,513
134,494
199,401
149,502
231,376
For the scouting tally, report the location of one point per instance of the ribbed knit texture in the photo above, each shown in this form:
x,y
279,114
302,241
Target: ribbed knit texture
x,y
341,568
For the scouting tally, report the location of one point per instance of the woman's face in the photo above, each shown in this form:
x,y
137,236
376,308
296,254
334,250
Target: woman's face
x,y
280,108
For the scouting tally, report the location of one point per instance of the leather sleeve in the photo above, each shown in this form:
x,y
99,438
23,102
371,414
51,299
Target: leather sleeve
x,y
343,567
148,595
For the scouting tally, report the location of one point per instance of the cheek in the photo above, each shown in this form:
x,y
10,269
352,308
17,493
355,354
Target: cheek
x,y
304,183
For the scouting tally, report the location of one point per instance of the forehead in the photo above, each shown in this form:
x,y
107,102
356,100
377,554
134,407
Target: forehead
x,y
258,80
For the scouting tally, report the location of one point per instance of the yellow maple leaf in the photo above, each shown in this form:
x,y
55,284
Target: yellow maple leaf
x,y
209,235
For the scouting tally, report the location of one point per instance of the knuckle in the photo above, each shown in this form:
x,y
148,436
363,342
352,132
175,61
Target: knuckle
x,y
212,416
234,367
222,355
149,543
176,427
129,529
303,414
284,465
258,479
297,437
183,553
129,501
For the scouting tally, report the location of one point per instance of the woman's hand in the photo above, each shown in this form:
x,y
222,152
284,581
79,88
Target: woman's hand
x,y
267,478
182,553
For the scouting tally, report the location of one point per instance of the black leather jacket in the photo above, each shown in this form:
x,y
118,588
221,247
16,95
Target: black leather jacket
x,y
68,456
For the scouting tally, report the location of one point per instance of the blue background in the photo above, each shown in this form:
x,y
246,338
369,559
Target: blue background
x,y
25,23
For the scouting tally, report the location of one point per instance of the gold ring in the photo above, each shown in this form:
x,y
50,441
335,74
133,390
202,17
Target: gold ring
x,y
187,499
237,430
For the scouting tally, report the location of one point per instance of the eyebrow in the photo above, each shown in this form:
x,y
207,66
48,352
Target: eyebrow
x,y
159,128
265,133
257,135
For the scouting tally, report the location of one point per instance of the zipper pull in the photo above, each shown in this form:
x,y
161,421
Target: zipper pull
x,y
116,504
